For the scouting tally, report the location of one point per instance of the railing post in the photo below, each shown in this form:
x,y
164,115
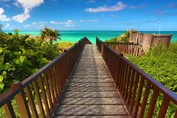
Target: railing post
x,y
102,48
119,74
106,53
9,110
8,114
67,63
21,101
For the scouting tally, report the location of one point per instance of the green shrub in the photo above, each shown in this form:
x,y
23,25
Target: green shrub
x,y
160,63
122,38
21,56
64,45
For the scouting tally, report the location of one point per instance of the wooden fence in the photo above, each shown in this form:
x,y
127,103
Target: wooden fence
x,y
149,40
130,48
136,87
38,94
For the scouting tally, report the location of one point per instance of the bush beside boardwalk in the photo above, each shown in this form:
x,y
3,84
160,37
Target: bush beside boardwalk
x,y
122,38
64,45
23,55
160,63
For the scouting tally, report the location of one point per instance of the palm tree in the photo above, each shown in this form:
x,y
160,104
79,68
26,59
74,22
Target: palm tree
x,y
0,28
16,31
49,34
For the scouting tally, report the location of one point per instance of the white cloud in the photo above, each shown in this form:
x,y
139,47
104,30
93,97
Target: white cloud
x,y
138,6
119,6
54,22
42,23
26,26
6,5
68,23
90,20
34,23
2,16
27,5
7,25
38,24
114,15
17,4
21,17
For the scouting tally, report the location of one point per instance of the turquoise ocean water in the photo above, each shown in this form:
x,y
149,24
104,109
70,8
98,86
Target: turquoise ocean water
x,y
74,36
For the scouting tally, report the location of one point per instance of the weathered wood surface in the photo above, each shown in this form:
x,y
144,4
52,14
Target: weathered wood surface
x,y
90,91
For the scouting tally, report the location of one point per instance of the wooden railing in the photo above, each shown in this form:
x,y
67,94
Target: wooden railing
x,y
37,95
130,48
136,87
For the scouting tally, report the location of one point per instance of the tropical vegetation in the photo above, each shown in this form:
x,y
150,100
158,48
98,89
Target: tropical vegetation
x,y
160,63
122,38
0,28
22,55
64,45
47,34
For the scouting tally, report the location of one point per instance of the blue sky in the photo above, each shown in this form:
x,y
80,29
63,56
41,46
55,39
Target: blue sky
x,y
89,14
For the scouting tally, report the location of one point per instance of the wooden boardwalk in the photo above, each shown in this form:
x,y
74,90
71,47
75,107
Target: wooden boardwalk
x,y
90,91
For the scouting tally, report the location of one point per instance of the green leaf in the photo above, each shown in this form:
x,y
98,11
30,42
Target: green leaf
x,y
1,78
1,86
22,59
4,74
1,49
34,70
17,61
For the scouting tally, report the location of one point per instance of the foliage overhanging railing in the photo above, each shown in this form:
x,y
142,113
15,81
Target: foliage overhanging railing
x,y
137,87
38,94
130,48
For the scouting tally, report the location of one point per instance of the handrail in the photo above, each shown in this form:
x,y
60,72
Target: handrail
x,y
130,48
38,94
135,86
121,43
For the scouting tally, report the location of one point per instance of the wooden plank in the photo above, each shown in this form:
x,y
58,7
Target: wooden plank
x,y
49,98
140,89
90,110
71,94
92,101
130,89
21,101
31,101
44,96
132,102
50,81
153,102
164,107
39,100
9,110
91,89
144,102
